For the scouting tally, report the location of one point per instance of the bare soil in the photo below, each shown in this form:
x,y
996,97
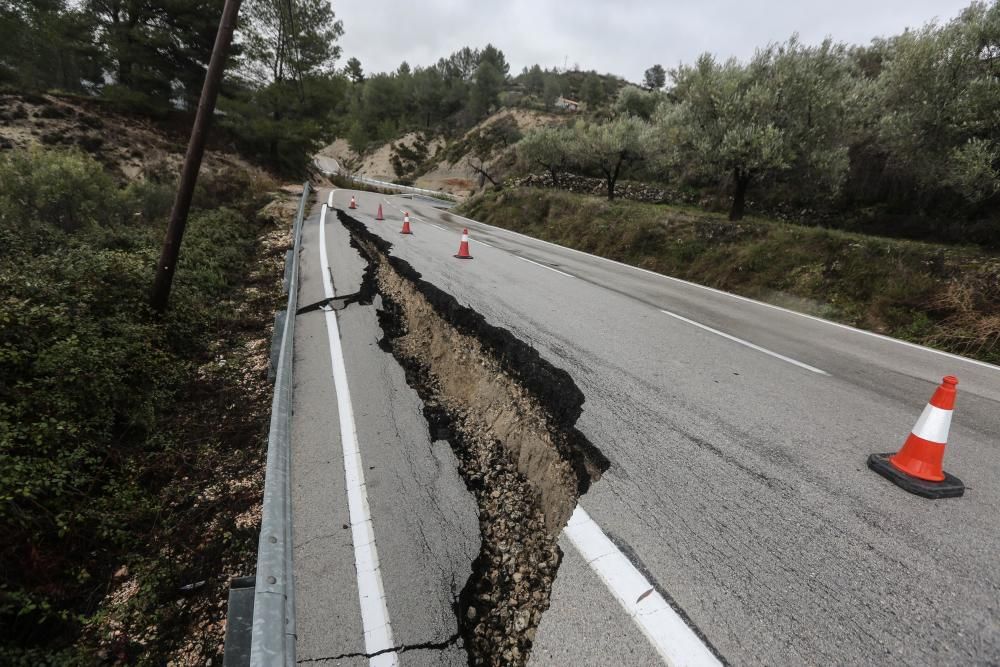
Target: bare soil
x,y
130,148
458,178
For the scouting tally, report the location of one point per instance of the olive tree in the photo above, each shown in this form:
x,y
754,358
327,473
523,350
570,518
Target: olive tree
x,y
550,148
787,112
655,77
637,102
937,98
608,148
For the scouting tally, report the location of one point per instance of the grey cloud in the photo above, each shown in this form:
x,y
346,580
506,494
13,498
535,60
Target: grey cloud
x,y
623,38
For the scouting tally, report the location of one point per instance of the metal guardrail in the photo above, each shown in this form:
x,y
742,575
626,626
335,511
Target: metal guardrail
x,y
393,186
385,185
272,640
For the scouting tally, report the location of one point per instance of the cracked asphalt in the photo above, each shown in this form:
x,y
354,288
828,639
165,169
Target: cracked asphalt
x,y
426,525
737,483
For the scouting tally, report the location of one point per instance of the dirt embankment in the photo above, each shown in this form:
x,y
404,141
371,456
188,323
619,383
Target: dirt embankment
x,y
447,166
453,172
509,417
378,163
130,148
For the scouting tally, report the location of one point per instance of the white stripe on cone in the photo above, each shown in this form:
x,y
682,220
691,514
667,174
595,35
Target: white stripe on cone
x,y
933,424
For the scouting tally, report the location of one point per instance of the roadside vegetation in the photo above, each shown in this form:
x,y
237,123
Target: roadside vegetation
x,y
946,297
897,138
131,447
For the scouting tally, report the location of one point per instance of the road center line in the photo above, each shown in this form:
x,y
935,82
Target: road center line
x,y
371,594
746,343
676,643
529,261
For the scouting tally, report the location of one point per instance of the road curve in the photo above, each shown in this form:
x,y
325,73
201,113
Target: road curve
x,y
737,434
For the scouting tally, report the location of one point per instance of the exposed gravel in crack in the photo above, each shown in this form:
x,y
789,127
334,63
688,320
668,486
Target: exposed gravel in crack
x,y
509,417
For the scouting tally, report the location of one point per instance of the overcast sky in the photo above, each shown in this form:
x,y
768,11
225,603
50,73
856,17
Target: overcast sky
x,y
621,37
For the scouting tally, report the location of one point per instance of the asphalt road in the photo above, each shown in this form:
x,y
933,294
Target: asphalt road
x,y
425,552
737,435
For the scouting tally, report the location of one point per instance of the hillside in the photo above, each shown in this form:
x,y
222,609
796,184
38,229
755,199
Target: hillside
x,y
131,447
130,148
488,146
435,163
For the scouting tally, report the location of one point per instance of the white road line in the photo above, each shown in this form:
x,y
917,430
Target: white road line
x,y
371,594
746,343
676,643
481,243
847,327
525,259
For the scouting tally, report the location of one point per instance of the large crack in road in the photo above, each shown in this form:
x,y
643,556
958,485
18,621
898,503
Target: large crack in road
x,y
509,417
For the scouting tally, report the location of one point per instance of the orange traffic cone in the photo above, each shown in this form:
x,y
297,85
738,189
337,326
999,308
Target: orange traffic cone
x,y
406,224
354,204
463,247
917,466
378,216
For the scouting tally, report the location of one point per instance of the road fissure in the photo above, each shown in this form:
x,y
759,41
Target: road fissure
x,y
509,417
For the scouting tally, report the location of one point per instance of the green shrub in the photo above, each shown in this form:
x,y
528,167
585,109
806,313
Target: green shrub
x,y
65,190
88,378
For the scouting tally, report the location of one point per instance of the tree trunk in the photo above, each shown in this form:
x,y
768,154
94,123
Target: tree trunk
x,y
613,178
742,180
483,175
272,145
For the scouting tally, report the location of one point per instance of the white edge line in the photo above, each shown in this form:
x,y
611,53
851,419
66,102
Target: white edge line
x,y
672,638
746,343
848,327
530,261
371,593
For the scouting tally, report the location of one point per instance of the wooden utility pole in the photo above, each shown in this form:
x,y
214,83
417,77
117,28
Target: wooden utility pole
x,y
192,160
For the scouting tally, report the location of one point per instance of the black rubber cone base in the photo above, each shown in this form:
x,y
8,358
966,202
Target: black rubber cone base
x,y
462,256
951,487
